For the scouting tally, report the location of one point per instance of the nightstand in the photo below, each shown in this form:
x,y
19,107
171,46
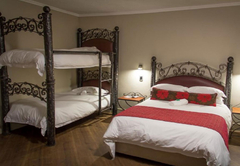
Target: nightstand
x,y
131,97
236,120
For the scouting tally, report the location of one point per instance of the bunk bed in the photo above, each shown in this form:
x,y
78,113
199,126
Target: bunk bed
x,y
173,128
105,44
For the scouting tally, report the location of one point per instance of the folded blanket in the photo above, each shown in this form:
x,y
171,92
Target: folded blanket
x,y
178,102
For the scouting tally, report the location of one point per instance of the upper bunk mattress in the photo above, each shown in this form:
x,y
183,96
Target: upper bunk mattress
x,y
36,59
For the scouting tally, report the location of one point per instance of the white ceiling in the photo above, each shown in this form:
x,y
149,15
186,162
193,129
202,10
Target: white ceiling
x,y
83,8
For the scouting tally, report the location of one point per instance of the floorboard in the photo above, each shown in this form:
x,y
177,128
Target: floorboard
x,y
78,144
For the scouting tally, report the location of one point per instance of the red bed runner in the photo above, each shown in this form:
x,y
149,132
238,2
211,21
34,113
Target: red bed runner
x,y
211,121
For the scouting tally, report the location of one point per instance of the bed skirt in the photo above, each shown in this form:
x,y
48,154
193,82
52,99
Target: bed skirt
x,y
159,156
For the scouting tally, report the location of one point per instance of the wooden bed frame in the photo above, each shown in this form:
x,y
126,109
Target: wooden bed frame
x,y
186,74
103,39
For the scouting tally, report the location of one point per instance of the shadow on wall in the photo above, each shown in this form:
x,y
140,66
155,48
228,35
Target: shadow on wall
x,y
7,46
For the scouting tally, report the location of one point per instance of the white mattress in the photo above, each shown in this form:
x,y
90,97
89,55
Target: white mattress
x,y
69,107
189,140
35,59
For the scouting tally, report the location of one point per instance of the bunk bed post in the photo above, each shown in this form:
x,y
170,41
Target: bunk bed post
x,y
228,81
111,76
79,71
4,82
79,77
153,64
100,82
49,76
79,37
115,69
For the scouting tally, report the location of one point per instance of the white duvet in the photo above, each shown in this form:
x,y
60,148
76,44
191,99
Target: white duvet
x,y
69,107
189,140
36,59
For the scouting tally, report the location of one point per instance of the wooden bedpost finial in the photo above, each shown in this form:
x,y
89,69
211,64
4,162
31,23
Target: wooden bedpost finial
x,y
230,59
79,30
116,28
46,9
154,58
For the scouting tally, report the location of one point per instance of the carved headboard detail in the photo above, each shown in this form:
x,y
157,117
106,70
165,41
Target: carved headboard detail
x,y
194,74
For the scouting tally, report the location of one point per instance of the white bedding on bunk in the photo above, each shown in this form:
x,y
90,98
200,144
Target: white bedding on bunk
x,y
190,140
69,107
36,59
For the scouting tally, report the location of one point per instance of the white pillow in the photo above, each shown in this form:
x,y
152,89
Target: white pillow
x,y
171,87
89,90
219,100
208,90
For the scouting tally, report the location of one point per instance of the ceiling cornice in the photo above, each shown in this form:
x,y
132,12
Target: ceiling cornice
x,y
136,12
51,7
164,10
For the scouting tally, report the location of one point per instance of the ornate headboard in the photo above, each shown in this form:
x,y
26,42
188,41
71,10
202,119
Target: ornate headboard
x,y
105,40
90,79
194,74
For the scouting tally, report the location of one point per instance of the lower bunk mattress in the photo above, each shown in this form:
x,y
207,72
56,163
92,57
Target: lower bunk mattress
x,y
167,136
69,107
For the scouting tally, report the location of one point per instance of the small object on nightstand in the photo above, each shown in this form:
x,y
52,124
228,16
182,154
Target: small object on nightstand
x,y
131,96
236,120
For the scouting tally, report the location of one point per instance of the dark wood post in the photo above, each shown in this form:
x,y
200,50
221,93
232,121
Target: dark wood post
x,y
49,76
79,77
115,70
153,64
100,83
229,81
4,81
79,37
79,70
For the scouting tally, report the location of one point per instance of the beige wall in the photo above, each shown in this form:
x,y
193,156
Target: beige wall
x,y
64,36
208,35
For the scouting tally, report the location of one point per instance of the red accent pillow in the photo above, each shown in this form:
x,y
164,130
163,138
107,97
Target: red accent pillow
x,y
194,98
161,94
203,99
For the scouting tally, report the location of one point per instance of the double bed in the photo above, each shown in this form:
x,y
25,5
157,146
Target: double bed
x,y
186,120
97,88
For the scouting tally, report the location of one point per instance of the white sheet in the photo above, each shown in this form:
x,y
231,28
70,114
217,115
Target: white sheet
x,y
69,107
193,141
36,59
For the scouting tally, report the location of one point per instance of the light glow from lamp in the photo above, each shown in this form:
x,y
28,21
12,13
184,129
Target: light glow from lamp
x,y
140,67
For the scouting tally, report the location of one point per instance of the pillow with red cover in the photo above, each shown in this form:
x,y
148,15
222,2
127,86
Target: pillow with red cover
x,y
161,94
203,99
194,98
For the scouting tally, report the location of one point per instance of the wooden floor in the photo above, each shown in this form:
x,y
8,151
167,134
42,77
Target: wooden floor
x,y
80,144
